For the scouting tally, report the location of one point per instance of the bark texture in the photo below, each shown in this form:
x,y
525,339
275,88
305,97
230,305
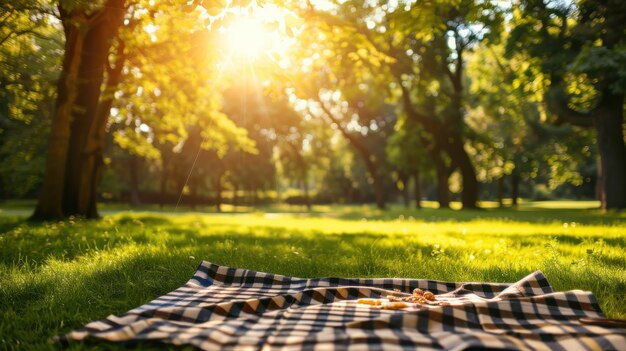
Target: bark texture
x,y
84,154
50,203
609,125
74,157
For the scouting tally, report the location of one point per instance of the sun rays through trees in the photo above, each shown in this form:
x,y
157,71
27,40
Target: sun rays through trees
x,y
209,102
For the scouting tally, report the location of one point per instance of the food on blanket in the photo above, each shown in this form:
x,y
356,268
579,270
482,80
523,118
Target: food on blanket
x,y
398,301
395,305
372,302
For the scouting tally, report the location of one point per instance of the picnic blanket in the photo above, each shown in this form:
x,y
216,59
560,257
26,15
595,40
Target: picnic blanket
x,y
229,308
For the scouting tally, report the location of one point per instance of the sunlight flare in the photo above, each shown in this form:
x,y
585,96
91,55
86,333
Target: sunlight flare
x,y
248,38
259,38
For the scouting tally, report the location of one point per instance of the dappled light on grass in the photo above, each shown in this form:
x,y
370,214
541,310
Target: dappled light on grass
x,y
57,276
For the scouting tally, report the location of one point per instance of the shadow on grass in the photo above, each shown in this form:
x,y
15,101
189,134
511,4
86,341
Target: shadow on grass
x,y
528,215
58,276
144,220
7,224
31,245
53,304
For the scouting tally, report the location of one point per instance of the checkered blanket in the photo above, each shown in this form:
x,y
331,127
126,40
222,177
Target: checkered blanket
x,y
239,309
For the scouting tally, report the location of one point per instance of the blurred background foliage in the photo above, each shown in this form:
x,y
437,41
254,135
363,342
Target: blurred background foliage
x,y
362,101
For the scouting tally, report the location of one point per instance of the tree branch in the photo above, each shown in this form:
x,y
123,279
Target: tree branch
x,y
557,103
565,114
414,115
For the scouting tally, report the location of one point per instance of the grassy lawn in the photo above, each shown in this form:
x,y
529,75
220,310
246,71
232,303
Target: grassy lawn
x,y
55,277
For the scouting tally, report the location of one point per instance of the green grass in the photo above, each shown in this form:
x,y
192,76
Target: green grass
x,y
55,277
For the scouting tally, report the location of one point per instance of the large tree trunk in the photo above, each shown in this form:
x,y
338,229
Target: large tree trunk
x,y
608,120
456,150
84,155
94,148
50,204
456,145
609,124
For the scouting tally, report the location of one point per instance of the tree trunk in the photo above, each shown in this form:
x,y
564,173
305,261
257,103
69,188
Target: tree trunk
x,y
94,148
404,179
609,124
500,191
218,193
600,195
50,203
84,154
515,176
417,190
235,191
469,196
372,168
454,124
443,191
448,137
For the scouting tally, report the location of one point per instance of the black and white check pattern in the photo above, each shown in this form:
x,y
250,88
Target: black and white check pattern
x,y
239,309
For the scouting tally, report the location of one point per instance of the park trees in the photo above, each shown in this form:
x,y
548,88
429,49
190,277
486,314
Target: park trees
x,y
425,46
156,84
95,56
67,185
29,59
580,49
406,152
437,46
511,141
338,80
168,106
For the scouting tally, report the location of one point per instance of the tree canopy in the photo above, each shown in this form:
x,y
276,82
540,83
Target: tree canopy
x,y
214,102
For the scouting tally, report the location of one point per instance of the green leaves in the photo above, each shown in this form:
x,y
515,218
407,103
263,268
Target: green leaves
x,y
602,63
30,55
215,7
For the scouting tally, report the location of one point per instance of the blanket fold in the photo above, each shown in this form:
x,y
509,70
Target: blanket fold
x,y
239,309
